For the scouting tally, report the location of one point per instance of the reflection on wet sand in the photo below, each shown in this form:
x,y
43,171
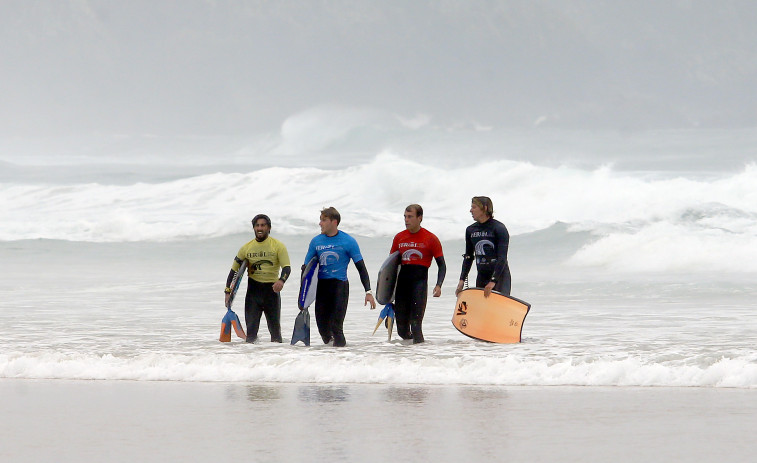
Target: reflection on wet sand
x,y
259,393
253,393
323,394
406,395
483,394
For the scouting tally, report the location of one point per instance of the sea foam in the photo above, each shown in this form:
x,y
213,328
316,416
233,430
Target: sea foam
x,y
318,366
638,223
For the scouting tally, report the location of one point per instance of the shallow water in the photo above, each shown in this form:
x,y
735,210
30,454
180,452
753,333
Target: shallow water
x,y
152,311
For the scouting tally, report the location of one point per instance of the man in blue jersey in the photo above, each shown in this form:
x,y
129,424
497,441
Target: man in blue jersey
x,y
334,249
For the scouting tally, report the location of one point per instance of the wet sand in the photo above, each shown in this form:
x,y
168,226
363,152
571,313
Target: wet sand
x,y
45,420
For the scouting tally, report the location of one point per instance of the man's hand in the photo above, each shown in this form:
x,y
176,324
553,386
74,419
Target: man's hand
x,y
488,288
459,287
437,291
369,298
278,286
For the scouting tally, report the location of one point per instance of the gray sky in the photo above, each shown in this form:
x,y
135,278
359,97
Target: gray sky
x,y
230,67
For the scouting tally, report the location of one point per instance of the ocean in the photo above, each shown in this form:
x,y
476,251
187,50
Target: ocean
x,y
636,250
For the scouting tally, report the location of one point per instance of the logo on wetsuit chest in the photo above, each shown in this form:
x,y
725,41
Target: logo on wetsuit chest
x,y
485,252
412,255
412,251
258,265
253,255
411,245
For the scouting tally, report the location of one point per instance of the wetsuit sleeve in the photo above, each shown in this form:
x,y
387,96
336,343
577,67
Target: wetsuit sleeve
x,y
238,259
442,270
503,242
285,272
364,278
467,257
234,268
230,277
437,250
283,258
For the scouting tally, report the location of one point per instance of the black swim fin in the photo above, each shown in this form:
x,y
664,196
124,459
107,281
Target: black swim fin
x,y
301,328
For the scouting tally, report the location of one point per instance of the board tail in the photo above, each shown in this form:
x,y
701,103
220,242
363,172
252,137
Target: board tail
x,y
497,318
308,284
386,283
301,328
229,320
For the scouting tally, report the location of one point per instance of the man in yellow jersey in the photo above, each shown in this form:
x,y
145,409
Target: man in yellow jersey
x,y
265,255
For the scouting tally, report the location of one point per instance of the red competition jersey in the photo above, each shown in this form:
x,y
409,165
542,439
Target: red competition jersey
x,y
417,248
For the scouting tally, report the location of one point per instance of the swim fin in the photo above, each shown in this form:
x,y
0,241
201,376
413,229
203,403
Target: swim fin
x,y
386,313
229,320
301,328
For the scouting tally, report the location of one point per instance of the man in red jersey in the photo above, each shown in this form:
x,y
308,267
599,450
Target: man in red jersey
x,y
418,247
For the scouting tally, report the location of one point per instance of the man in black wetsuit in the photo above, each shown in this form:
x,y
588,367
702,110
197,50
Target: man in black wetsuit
x,y
487,240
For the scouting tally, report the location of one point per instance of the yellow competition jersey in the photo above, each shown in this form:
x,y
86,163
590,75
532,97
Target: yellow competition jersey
x,y
265,258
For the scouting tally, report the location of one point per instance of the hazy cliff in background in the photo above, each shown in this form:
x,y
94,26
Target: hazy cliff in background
x,y
218,67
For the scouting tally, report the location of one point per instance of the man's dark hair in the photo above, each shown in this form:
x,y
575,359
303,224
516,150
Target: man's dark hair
x,y
416,208
261,216
332,214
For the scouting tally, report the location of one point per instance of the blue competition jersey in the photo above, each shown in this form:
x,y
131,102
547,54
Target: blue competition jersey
x,y
334,254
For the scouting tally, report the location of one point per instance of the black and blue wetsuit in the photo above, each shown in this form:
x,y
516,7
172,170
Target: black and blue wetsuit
x,y
488,243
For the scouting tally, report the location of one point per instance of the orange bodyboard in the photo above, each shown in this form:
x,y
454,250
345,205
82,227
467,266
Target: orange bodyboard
x,y
497,318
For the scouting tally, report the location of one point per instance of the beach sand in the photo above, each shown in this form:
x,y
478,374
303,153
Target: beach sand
x,y
82,421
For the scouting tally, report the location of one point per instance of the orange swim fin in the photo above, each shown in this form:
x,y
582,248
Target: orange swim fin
x,y
225,333
229,320
238,328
